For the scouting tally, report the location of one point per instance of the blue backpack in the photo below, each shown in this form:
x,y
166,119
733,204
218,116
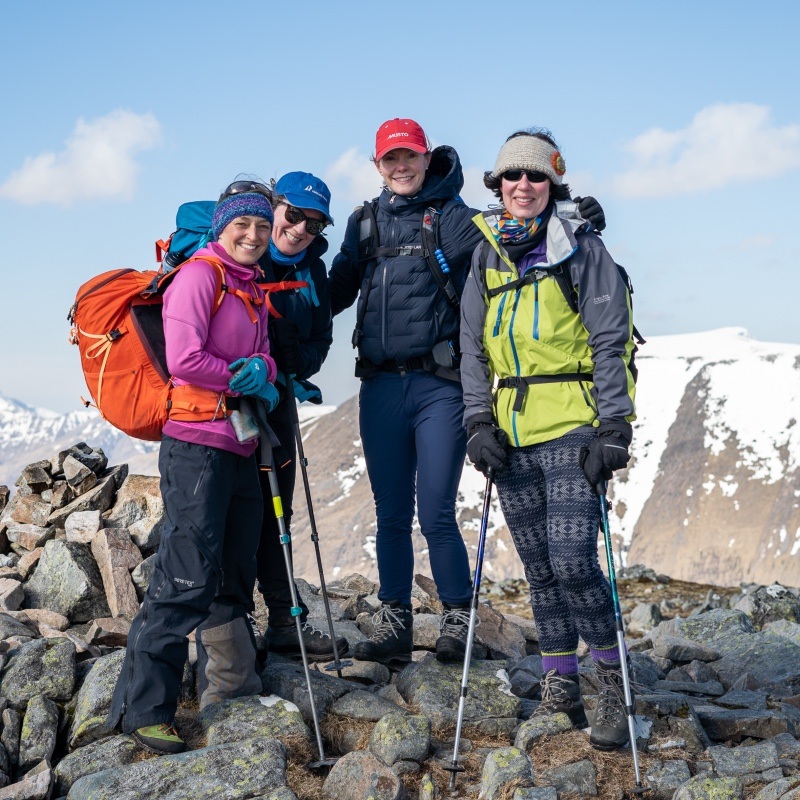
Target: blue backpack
x,y
192,231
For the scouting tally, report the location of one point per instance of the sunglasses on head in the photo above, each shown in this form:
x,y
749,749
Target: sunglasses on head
x,y
243,187
294,216
515,175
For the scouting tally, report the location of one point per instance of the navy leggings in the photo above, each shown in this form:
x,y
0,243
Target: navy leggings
x,y
554,519
414,445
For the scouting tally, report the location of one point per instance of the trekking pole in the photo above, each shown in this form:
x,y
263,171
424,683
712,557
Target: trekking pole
x,y
454,768
314,534
623,653
268,465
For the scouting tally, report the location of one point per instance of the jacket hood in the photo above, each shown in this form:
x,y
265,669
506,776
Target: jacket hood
x,y
443,180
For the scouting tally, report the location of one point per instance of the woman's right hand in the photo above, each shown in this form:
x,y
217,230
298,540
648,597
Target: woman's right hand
x,y
251,378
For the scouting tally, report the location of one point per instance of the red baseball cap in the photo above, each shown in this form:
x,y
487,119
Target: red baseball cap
x,y
396,133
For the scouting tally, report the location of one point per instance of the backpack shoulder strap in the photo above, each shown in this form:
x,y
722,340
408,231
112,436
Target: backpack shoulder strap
x,y
431,244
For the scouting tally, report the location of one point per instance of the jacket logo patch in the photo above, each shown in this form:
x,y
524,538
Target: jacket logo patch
x,y
184,581
604,298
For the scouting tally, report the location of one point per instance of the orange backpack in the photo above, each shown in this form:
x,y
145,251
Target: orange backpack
x,y
116,323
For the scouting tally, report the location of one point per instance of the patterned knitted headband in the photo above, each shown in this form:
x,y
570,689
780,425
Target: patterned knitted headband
x,y
531,153
245,204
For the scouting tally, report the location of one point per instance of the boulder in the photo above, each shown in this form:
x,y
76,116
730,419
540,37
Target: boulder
x,y
115,751
94,700
43,667
401,737
139,508
360,775
37,740
252,717
503,765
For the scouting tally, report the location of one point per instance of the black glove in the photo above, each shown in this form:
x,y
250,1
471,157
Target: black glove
x,y
285,346
592,212
486,443
606,453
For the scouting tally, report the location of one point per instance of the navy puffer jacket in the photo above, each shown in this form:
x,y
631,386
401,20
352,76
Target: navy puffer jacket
x,y
407,313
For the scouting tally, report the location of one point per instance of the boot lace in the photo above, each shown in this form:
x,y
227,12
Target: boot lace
x,y
455,623
555,694
168,730
313,630
387,622
611,697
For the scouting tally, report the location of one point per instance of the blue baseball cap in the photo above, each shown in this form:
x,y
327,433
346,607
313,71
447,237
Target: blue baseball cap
x,y
304,190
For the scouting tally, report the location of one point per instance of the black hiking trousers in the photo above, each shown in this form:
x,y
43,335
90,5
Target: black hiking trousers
x,y
203,576
273,581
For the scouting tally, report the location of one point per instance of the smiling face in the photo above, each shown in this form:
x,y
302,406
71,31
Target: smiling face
x,y
246,239
523,199
292,239
404,170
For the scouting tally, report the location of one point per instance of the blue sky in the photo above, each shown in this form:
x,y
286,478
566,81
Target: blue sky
x,y
682,118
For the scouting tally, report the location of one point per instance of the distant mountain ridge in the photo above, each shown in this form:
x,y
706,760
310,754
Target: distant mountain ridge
x,y
711,494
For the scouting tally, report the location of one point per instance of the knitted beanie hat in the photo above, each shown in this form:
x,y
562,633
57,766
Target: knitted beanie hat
x,y
531,153
244,204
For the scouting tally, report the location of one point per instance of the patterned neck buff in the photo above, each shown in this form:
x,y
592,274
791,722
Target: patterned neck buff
x,y
509,229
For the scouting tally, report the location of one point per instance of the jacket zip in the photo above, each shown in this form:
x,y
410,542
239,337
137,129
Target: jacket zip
x,y
202,473
516,359
536,309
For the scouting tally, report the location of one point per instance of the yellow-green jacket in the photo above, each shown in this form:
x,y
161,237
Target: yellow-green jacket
x,y
576,364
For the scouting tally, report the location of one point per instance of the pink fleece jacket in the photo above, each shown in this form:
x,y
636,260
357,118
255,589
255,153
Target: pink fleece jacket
x,y
200,347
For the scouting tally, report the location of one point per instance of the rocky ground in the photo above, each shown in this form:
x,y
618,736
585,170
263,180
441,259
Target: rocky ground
x,y
717,676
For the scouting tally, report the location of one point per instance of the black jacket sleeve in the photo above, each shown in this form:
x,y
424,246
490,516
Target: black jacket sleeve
x,y
344,278
314,350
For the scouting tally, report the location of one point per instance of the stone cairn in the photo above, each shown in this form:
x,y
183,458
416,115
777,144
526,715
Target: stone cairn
x,y
717,682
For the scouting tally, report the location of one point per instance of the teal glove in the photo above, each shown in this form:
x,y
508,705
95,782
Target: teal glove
x,y
251,378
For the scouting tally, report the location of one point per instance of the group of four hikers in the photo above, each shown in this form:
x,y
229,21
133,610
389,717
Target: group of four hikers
x,y
505,335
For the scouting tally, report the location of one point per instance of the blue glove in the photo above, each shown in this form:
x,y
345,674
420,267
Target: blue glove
x,y
251,378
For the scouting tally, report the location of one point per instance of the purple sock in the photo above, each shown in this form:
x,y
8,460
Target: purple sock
x,y
606,653
562,663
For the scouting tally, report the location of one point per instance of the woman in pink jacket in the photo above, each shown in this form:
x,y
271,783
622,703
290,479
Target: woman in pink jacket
x,y
215,328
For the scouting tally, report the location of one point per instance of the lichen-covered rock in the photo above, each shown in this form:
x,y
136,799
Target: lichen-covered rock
x,y
780,789
744,760
710,787
42,667
771,603
434,689
94,700
536,727
235,771
503,765
580,778
363,705
114,751
663,778
12,725
12,626
37,740
142,574
252,717
362,776
400,737
67,581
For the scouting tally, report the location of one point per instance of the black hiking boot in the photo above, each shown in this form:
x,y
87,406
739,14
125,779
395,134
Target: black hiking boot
x,y
260,640
454,626
392,639
610,729
562,693
283,639
160,739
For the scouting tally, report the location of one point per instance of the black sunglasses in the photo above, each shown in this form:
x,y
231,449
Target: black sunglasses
x,y
515,175
294,216
243,187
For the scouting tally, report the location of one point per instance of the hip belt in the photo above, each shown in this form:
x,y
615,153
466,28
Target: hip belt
x,y
521,383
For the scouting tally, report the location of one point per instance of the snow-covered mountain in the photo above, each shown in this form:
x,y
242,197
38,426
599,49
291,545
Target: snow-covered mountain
x,y
711,493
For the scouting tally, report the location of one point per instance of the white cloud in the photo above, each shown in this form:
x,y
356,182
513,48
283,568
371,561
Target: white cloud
x,y
97,161
758,241
724,144
353,178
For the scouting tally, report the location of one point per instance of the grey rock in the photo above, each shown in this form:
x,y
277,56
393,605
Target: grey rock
x,y
142,574
366,672
400,737
525,676
783,627
678,649
37,477
12,727
99,497
580,777
68,581
665,777
281,793
710,787
360,775
502,766
787,745
779,789
109,631
82,526
363,705
674,718
744,760
139,508
34,786
426,631
42,667
699,671
26,537
316,604
434,690
233,771
12,594
115,751
80,477
252,717
710,688
32,510
94,700
723,724
742,699
537,727
38,735
501,637
770,603
643,618
427,788
92,457
536,793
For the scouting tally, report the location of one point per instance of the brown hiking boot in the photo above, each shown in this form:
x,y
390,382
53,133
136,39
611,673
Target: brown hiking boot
x,y
562,693
610,729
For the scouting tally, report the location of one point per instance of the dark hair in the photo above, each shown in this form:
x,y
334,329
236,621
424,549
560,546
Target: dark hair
x,y
495,185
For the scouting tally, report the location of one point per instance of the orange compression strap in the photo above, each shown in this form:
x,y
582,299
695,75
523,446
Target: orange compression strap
x,y
280,286
194,404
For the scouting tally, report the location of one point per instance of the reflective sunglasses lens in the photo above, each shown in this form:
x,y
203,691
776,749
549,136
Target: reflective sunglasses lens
x,y
315,226
240,187
294,216
515,175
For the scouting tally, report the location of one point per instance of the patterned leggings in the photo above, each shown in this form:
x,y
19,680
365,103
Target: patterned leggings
x,y
554,518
